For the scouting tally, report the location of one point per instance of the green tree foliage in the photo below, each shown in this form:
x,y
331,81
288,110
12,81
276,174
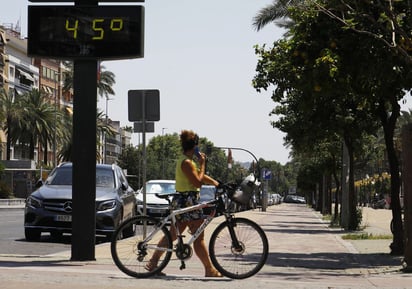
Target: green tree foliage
x,y
9,115
130,159
38,122
321,91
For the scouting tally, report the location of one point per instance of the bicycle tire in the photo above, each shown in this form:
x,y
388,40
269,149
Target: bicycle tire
x,y
128,253
248,261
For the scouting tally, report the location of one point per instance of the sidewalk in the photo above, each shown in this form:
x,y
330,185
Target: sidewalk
x,y
12,203
304,253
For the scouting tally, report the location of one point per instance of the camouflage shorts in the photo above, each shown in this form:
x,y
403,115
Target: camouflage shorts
x,y
184,200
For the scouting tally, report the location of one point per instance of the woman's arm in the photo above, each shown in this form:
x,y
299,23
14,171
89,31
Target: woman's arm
x,y
197,178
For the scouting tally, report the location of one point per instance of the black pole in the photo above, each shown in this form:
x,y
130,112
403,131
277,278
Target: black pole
x,y
84,160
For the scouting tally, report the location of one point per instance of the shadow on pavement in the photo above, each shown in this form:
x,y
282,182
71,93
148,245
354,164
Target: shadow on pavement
x,y
332,261
22,261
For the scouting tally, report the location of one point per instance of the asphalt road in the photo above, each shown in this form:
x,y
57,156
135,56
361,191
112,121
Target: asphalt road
x,y
12,240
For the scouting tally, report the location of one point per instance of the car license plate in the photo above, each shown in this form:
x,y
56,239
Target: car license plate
x,y
64,218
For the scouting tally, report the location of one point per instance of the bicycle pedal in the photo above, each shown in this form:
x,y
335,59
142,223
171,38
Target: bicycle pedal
x,y
182,266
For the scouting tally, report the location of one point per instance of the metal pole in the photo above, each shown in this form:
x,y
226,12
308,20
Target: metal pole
x,y
144,151
163,153
84,160
105,134
56,79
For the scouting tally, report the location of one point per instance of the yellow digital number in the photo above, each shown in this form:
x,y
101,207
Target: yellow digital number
x,y
72,28
116,24
100,30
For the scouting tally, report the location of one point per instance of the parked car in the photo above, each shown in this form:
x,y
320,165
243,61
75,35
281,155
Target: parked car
x,y
155,207
294,199
207,193
49,208
276,199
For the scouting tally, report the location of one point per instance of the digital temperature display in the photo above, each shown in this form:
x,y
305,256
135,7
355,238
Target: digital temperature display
x,y
78,32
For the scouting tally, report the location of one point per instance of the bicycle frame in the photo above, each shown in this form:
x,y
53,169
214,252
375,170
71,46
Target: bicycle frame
x,y
172,218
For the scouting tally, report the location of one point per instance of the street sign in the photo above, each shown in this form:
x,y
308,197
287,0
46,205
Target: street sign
x,y
86,32
148,126
266,175
144,105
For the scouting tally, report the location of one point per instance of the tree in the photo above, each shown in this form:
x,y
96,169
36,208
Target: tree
x,y
102,127
130,159
38,122
9,114
105,80
323,56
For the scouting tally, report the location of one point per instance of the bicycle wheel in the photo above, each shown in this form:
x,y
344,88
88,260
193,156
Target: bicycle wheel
x,y
132,254
244,261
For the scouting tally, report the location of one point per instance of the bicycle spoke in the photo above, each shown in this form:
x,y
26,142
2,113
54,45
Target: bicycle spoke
x,y
246,259
133,255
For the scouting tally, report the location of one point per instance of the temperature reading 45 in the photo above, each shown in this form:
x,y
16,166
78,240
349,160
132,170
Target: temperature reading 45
x,y
92,32
99,26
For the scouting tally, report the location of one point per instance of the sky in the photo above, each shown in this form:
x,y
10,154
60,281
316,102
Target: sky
x,y
200,56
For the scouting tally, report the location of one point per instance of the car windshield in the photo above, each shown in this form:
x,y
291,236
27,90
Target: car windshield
x,y
160,188
63,177
207,193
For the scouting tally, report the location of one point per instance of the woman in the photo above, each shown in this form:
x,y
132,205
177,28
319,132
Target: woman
x,y
189,178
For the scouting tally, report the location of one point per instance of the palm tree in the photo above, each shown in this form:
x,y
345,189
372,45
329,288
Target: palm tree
x,y
38,123
103,127
9,114
276,12
105,81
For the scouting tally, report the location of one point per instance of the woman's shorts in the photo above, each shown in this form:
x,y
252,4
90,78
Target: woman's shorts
x,y
184,200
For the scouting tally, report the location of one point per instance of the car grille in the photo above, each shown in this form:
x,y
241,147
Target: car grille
x,y
57,205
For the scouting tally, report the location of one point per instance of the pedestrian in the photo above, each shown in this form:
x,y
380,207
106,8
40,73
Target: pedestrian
x,y
190,175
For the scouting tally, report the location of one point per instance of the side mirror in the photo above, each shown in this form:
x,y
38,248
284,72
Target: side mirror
x,y
124,186
39,183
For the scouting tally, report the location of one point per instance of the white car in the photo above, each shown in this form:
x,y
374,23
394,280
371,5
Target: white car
x,y
155,207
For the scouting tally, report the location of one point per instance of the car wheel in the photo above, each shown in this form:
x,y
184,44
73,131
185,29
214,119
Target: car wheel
x,y
32,234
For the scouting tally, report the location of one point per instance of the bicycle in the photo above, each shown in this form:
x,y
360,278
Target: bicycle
x,y
238,247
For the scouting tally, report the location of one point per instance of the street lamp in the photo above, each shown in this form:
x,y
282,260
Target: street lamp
x,y
104,134
56,81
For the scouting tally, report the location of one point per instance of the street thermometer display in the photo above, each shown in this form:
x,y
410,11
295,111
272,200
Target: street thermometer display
x,y
79,32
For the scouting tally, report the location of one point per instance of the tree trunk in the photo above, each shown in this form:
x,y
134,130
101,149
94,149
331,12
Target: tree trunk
x,y
351,222
45,151
8,143
31,148
388,124
338,192
407,181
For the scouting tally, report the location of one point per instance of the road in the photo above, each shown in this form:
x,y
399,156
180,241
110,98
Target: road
x,y
12,239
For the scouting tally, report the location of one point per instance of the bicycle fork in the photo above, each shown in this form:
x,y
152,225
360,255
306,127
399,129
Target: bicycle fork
x,y
237,246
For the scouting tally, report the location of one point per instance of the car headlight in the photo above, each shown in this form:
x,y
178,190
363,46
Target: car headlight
x,y
107,205
34,202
